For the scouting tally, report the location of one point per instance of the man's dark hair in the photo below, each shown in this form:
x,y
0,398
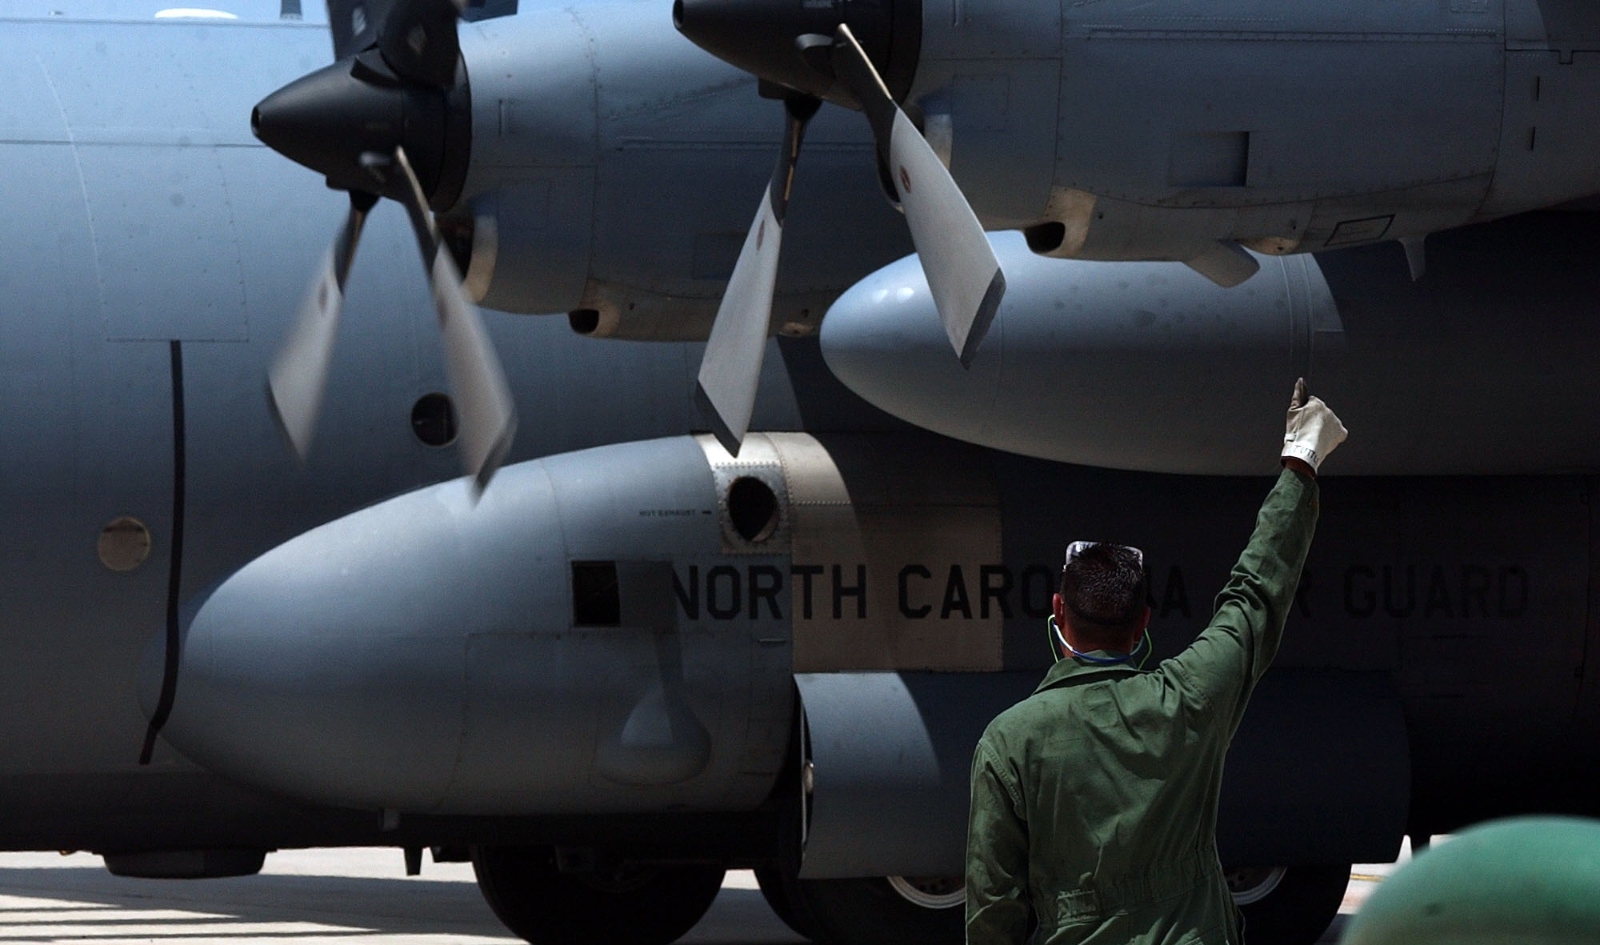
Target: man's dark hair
x,y
1104,590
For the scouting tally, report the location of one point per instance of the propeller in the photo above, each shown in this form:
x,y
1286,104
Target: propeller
x,y
488,418
362,122
299,374
963,273
964,277
418,40
731,365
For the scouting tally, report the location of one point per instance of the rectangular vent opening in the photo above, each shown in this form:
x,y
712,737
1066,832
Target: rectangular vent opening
x,y
596,601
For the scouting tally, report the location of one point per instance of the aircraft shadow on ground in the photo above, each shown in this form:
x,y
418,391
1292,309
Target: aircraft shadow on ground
x,y
338,905
361,905
356,906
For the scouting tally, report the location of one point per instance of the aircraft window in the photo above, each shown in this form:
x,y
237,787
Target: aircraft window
x,y
433,420
596,601
753,508
124,544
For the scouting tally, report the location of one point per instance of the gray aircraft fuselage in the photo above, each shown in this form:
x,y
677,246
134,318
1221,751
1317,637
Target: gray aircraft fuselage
x,y
153,228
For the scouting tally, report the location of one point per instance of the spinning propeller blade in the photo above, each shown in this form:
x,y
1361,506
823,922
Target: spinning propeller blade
x,y
963,274
299,374
418,40
784,45
487,416
353,121
731,366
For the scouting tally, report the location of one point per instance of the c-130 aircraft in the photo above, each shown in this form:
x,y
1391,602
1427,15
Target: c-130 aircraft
x,y
638,661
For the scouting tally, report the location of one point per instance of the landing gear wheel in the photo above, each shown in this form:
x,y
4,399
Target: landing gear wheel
x,y
898,910
1288,905
631,905
777,896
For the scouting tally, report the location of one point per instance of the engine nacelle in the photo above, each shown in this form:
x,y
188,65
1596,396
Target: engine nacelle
x,y
1149,366
614,170
1132,130
610,630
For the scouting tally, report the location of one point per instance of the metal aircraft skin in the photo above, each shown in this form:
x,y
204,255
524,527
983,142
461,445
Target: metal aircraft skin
x,y
1158,130
594,667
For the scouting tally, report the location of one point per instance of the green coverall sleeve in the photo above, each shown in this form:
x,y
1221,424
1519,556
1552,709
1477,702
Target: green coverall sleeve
x,y
1224,662
997,857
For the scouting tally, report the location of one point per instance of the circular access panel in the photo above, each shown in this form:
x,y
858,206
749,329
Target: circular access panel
x,y
124,543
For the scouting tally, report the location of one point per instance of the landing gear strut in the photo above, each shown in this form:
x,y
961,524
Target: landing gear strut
x,y
621,905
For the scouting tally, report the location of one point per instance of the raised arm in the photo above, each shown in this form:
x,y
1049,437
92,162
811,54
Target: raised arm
x,y
1223,664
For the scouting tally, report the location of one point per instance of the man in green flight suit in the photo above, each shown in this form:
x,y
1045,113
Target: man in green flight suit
x,y
1094,801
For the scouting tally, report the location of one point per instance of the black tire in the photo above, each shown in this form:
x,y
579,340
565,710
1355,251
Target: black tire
x,y
644,905
872,912
1295,911
774,891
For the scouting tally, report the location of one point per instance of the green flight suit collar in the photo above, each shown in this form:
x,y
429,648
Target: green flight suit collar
x,y
1073,671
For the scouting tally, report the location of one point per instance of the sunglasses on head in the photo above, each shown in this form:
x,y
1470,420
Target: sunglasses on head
x,y
1079,548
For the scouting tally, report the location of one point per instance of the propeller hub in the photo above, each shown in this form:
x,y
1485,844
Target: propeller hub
x,y
774,39
331,119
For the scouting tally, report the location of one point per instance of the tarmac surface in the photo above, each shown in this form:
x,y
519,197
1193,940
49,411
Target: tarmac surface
x,y
362,897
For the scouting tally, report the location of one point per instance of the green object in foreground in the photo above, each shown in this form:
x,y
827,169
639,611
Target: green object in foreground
x,y
1522,881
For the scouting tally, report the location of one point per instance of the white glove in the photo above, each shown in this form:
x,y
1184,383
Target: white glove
x,y
1312,430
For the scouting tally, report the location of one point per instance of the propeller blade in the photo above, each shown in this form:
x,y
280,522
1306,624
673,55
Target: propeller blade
x,y
419,42
730,369
299,374
354,24
488,417
963,274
